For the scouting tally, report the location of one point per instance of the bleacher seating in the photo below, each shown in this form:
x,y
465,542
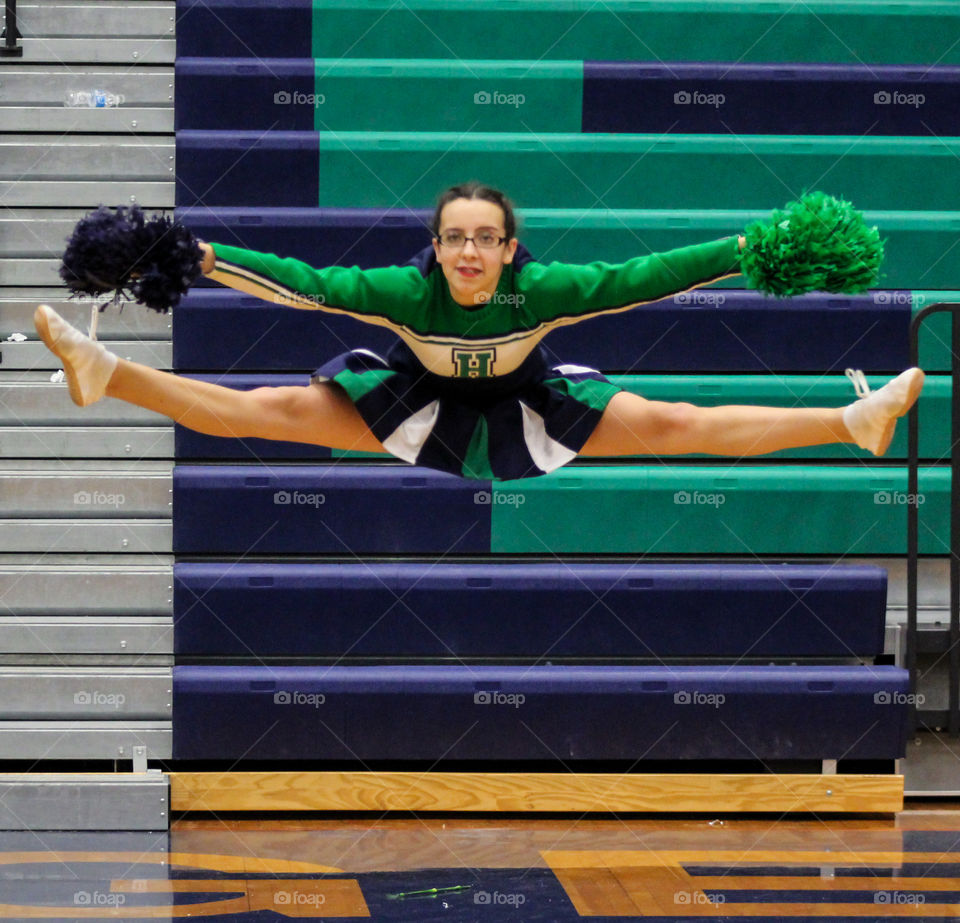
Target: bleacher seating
x,y
351,612
387,597
411,95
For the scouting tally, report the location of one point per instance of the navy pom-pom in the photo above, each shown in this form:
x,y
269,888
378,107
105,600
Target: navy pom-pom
x,y
151,261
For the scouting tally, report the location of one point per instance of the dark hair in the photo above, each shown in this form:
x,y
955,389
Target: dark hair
x,y
475,190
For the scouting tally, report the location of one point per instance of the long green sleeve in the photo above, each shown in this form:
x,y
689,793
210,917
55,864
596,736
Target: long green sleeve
x,y
559,290
395,294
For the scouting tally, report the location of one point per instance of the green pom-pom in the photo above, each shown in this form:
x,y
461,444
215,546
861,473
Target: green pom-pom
x,y
819,244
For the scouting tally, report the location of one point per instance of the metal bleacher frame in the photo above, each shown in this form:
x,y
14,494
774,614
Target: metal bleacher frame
x,y
57,630
931,719
10,47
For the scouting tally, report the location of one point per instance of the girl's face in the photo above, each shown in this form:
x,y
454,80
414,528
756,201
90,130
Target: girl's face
x,y
472,272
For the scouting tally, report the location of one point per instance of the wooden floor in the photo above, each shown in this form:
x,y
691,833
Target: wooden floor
x,y
491,869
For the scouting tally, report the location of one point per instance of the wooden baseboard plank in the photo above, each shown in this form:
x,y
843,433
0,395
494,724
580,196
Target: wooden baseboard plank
x,y
534,792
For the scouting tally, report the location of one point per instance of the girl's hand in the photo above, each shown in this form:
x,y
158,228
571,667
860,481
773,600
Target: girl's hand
x,y
209,258
742,240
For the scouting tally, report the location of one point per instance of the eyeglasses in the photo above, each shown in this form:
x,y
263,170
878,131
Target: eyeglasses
x,y
485,240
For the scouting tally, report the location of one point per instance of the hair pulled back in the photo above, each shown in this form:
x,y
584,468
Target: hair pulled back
x,y
475,190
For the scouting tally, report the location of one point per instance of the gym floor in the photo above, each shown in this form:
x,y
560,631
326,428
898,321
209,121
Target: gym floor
x,y
556,869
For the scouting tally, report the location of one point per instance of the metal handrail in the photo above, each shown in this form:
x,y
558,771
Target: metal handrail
x,y
913,519
10,48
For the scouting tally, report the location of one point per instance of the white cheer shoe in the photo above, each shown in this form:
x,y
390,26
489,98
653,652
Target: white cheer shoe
x,y
873,418
86,363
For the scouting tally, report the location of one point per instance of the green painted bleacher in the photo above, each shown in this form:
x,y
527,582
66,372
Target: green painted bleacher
x,y
735,508
448,95
371,169
841,32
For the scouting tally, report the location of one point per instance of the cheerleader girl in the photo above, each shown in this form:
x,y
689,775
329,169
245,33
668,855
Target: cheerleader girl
x,y
468,389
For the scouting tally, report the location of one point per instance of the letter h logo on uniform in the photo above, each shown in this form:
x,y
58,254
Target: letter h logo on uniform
x,y
474,363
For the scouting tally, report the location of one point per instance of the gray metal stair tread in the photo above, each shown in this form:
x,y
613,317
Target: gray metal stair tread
x,y
91,466
107,779
26,84
132,322
45,693
84,739
24,272
106,20
61,218
128,801
141,624
145,562
55,726
62,536
84,495
33,272
104,590
29,355
97,158
85,672
52,118
87,726
33,597
30,398
31,233
87,442
85,193
134,51
74,142
148,566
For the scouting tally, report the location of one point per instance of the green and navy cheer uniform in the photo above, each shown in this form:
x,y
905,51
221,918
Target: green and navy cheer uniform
x,y
469,390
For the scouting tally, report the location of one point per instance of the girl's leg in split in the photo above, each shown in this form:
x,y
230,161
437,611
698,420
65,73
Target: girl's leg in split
x,y
318,414
632,425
